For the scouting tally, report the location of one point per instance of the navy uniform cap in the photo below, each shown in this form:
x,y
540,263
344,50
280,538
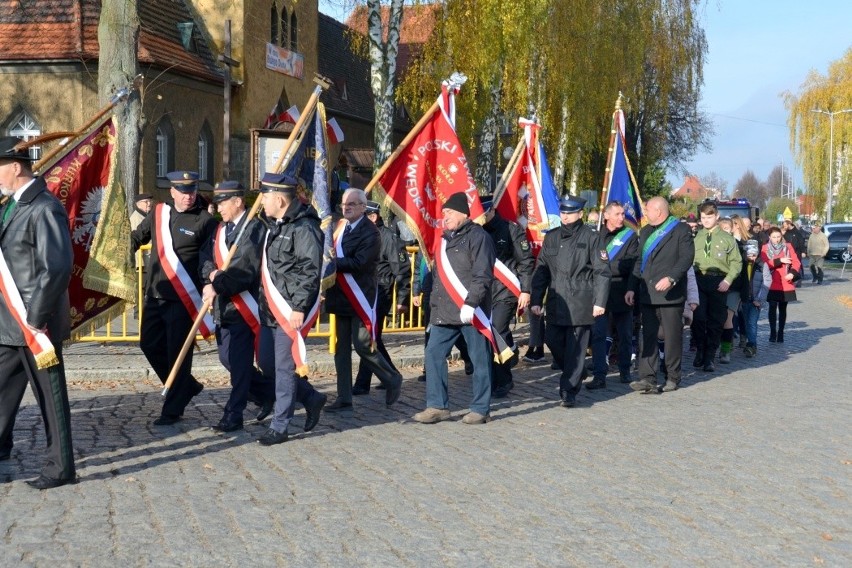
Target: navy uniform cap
x,y
184,181
278,182
226,190
9,152
372,207
571,204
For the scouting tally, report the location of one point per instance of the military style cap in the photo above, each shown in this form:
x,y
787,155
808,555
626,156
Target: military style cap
x,y
571,204
278,182
8,151
184,181
372,207
226,190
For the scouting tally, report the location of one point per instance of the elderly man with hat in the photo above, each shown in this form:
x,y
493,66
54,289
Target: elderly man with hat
x,y
235,290
177,231
142,207
573,271
290,274
36,260
392,268
461,293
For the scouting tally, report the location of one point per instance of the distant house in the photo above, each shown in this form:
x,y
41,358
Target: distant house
x,y
693,190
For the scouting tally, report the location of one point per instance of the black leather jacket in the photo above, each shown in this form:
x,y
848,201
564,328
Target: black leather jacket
x,y
394,265
361,249
36,244
512,249
243,273
294,258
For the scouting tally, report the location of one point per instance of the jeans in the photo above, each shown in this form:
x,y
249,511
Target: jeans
x,y
751,314
441,340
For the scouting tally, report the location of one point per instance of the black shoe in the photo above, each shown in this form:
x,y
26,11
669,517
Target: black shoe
x,y
226,425
534,355
313,411
772,337
5,455
709,367
698,361
555,366
381,387
670,386
624,377
596,384
42,482
468,368
392,394
503,391
780,337
166,420
338,405
567,399
421,378
271,437
265,409
358,390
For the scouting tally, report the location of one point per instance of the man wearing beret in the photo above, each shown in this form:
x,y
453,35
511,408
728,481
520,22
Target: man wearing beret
x,y
176,231
461,293
290,275
235,309
353,301
573,270
35,271
393,268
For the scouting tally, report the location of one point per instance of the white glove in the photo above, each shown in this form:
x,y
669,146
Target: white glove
x,y
466,314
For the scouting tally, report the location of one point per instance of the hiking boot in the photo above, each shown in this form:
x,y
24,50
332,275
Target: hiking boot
x,y
476,418
432,415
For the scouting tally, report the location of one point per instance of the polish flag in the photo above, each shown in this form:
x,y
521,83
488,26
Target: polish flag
x,y
335,133
292,115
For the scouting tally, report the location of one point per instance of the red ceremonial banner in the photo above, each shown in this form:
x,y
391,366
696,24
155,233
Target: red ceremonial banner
x,y
80,179
426,172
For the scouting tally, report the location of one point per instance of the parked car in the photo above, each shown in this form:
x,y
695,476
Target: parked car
x,y
838,243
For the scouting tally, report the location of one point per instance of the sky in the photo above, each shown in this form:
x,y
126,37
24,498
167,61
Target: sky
x,y
758,49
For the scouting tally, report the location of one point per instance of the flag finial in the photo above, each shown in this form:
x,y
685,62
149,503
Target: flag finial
x,y
618,100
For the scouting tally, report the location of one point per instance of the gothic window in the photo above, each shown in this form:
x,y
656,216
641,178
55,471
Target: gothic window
x,y
285,38
273,32
205,153
165,148
294,44
23,126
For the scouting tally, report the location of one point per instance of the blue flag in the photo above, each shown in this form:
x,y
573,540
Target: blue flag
x,y
549,195
622,186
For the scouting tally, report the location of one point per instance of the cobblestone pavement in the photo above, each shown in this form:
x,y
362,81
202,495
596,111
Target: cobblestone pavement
x,y
749,466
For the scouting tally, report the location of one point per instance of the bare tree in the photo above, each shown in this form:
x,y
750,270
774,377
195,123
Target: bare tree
x,y
751,188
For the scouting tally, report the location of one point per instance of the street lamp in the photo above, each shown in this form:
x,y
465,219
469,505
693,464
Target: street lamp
x,y
830,154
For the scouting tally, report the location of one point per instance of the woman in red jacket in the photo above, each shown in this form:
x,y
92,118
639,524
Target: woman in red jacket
x,y
784,264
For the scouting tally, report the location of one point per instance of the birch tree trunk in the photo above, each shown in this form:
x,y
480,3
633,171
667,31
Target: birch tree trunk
x,y
383,56
118,39
561,148
489,136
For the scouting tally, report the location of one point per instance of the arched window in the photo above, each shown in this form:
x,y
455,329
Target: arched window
x,y
285,37
23,126
165,147
293,27
205,153
273,17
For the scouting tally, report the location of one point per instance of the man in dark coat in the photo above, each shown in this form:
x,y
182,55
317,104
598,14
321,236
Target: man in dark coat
x,y
393,268
353,301
666,253
176,231
37,260
234,294
622,246
573,269
461,293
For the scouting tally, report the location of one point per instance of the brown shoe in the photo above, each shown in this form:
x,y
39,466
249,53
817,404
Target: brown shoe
x,y
432,415
476,418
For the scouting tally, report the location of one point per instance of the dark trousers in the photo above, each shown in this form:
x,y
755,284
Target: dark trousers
x,y
441,340
709,318
277,361
17,367
236,353
622,322
365,375
670,319
567,344
165,326
501,316
777,317
352,333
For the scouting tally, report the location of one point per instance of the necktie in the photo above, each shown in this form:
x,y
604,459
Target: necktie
x,y
229,228
347,229
7,212
707,244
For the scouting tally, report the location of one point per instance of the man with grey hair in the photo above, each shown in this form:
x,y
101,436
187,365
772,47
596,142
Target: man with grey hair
x,y
817,249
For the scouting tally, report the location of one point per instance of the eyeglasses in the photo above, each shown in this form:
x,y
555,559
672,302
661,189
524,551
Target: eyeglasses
x,y
352,204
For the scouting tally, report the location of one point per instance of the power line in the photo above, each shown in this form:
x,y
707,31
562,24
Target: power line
x,y
748,119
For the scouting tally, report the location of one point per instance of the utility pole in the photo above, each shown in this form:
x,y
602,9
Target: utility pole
x,y
228,62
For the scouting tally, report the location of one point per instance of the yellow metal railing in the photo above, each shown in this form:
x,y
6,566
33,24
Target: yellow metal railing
x,y
125,328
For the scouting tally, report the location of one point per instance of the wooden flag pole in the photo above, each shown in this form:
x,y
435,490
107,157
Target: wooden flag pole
x,y
510,167
283,161
609,163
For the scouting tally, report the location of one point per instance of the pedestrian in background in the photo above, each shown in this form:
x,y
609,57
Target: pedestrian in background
x,y
781,260
817,249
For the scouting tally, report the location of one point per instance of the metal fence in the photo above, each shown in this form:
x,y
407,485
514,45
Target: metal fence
x,y
125,328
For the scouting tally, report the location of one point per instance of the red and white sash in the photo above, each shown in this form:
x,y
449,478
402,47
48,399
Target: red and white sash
x,y
458,293
507,277
364,308
175,271
244,302
282,311
38,342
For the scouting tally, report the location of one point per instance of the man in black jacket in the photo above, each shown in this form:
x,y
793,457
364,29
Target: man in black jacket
x,y
392,268
622,247
289,302
573,269
176,231
353,301
34,309
234,294
666,252
461,293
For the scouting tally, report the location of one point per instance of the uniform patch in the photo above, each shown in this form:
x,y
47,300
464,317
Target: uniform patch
x,y
403,257
187,232
604,255
525,245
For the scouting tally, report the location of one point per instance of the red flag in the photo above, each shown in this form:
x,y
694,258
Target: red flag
x,y
272,119
290,115
429,169
335,133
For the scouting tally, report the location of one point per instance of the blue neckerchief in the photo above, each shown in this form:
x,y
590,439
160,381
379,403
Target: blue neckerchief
x,y
617,243
654,239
